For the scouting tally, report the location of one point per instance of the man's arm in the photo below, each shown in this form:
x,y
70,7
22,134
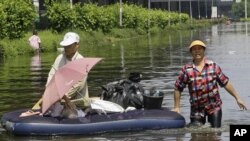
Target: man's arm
x,y
77,89
68,103
78,94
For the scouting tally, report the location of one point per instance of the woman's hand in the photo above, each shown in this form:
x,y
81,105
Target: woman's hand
x,y
241,104
176,110
68,104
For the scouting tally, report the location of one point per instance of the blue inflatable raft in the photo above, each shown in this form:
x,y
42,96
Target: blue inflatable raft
x,y
135,120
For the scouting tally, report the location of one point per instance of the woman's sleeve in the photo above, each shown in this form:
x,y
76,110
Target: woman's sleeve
x,y
221,78
181,81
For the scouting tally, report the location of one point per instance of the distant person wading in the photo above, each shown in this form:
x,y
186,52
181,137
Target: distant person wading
x,y
35,41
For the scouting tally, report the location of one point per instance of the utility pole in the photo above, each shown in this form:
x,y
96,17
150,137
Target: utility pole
x,y
180,11
245,9
190,10
149,7
199,12
169,12
149,4
206,8
71,4
120,13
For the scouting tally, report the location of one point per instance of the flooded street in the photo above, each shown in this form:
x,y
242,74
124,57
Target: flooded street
x,y
159,58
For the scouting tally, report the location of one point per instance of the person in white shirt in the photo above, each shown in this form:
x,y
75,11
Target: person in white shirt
x,y
76,100
35,41
78,95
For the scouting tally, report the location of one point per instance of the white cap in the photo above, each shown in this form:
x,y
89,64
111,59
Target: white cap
x,y
70,38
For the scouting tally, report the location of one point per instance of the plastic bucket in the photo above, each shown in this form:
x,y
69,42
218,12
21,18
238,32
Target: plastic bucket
x,y
152,102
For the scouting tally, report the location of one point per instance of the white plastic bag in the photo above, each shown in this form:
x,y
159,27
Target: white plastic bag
x,y
103,106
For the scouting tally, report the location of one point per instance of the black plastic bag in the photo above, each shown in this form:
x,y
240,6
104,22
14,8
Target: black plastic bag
x,y
125,92
113,92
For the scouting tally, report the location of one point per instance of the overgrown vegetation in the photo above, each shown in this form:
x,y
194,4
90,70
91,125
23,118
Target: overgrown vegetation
x,y
17,17
97,25
238,9
91,17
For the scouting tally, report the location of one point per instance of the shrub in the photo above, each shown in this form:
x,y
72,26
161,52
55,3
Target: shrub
x,y
2,22
91,17
19,17
61,16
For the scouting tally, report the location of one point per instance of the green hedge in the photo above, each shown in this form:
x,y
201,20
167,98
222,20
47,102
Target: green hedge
x,y
96,24
91,17
17,17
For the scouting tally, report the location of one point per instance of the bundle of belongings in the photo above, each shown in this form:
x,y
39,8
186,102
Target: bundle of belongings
x,y
127,93
118,96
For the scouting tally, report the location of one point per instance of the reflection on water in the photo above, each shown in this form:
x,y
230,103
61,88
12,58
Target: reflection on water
x,y
159,59
35,64
36,70
205,136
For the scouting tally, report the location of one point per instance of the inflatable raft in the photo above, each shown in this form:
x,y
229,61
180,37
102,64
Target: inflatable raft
x,y
135,120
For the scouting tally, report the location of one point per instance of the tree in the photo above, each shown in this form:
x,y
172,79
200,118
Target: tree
x,y
238,9
19,15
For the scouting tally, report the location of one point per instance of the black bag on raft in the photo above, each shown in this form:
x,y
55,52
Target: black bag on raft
x,y
128,92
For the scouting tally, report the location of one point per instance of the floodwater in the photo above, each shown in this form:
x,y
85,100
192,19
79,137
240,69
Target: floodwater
x,y
159,58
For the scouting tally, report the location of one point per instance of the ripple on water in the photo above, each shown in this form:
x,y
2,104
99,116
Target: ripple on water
x,y
194,129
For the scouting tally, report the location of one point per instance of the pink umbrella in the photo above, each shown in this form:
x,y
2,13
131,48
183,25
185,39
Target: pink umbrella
x,y
65,78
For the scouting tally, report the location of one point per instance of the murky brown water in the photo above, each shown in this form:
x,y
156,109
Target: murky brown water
x,y
159,59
